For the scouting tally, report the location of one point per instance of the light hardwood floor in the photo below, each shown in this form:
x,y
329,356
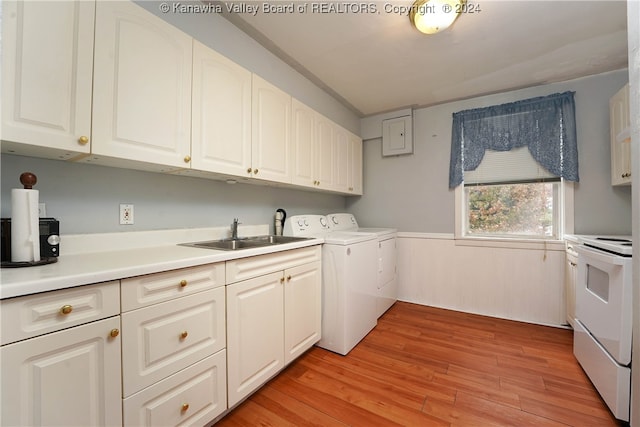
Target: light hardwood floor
x,y
423,366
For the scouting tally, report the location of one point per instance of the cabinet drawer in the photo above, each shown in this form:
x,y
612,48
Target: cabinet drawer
x,y
142,291
193,396
247,268
160,340
33,315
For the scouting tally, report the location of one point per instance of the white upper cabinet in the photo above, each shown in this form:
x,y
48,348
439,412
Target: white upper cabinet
x,y
221,114
342,158
620,126
324,152
109,83
324,155
355,164
142,87
47,65
303,144
271,132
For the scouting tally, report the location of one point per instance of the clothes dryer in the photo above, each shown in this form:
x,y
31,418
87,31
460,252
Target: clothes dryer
x,y
386,282
349,267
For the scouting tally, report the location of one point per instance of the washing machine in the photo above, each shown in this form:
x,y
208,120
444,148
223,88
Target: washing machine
x,y
349,268
387,283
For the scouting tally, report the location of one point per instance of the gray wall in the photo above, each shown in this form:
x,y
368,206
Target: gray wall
x,y
86,198
411,192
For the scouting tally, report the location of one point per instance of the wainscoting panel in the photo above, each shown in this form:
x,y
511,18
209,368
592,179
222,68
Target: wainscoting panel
x,y
524,283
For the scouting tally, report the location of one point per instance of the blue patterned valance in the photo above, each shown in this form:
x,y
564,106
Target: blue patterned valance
x,y
545,124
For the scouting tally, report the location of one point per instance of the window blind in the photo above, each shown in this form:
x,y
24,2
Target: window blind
x,y
514,166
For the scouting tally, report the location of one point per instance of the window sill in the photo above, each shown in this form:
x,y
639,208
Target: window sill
x,y
515,243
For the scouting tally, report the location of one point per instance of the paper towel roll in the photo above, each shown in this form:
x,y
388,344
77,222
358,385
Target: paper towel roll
x,y
25,226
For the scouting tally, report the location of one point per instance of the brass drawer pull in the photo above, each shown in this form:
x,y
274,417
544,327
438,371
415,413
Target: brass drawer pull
x,y
185,407
114,333
66,309
183,283
184,335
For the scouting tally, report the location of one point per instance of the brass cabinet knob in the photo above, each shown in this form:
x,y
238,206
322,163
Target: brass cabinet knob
x,y
187,159
184,335
288,278
114,333
183,283
185,407
66,309
282,280
255,171
249,170
83,140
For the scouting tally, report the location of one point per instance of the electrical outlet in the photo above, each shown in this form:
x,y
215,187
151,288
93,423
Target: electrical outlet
x,y
126,214
42,210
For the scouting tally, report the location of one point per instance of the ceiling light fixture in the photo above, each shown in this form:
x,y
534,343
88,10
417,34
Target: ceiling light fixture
x,y
433,16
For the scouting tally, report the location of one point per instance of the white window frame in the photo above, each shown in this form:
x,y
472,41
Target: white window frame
x,y
564,218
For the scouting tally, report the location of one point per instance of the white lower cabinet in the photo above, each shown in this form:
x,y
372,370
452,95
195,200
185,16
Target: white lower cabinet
x,y
302,309
272,318
184,348
65,378
255,320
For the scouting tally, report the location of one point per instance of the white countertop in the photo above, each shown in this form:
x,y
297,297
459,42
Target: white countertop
x,y
126,255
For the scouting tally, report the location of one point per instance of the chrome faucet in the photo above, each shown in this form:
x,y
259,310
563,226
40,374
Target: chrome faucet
x,y
234,228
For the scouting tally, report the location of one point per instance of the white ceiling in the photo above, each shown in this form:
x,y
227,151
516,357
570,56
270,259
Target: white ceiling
x,y
377,62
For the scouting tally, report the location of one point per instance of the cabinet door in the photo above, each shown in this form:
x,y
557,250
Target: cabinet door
x,y
47,64
221,109
142,87
67,378
255,339
341,166
620,137
302,146
271,132
324,152
302,305
355,164
571,276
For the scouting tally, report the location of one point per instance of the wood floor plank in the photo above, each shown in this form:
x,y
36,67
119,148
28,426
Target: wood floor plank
x,y
425,366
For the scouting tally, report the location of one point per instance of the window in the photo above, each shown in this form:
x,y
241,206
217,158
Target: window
x,y
511,195
514,160
512,210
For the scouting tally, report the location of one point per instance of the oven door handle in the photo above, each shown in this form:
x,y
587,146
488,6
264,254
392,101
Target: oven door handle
x,y
600,255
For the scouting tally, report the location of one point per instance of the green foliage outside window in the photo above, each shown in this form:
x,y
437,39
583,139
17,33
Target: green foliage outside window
x,y
510,209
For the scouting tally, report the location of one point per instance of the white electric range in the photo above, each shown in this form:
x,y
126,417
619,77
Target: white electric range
x,y
604,317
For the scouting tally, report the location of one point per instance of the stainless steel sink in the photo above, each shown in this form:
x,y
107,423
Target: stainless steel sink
x,y
245,242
